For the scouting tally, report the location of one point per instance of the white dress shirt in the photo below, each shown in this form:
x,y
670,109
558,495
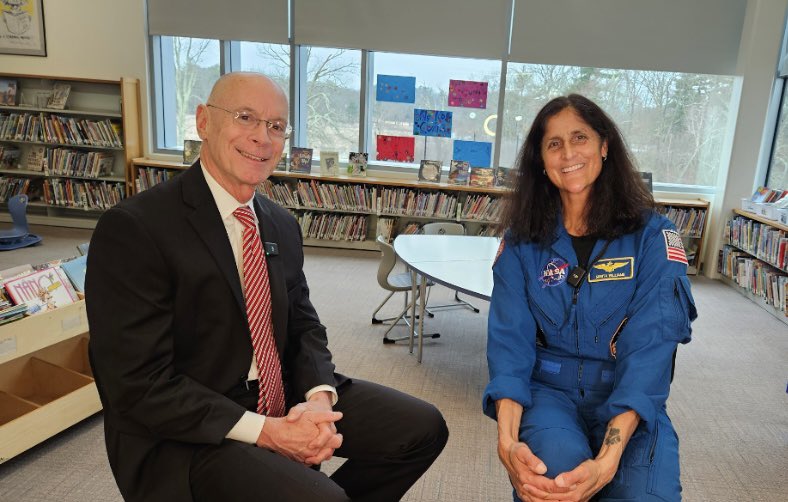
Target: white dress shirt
x,y
248,428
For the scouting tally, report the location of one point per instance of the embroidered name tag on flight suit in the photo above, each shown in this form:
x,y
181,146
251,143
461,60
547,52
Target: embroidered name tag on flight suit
x,y
612,269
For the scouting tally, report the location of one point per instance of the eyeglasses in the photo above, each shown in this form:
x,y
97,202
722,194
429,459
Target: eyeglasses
x,y
276,129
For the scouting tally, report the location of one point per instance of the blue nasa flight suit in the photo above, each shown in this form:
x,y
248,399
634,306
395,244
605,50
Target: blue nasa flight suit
x,y
603,349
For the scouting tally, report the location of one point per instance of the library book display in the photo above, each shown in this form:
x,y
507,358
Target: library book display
x,y
67,143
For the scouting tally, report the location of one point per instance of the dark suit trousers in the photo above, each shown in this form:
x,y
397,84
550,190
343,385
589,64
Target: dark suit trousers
x,y
389,440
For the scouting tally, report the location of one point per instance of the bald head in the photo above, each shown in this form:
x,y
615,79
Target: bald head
x,y
230,83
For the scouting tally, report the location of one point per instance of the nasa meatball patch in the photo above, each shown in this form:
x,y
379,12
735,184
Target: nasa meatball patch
x,y
554,273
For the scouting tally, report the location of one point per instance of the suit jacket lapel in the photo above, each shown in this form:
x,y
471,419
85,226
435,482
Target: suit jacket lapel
x,y
208,224
276,275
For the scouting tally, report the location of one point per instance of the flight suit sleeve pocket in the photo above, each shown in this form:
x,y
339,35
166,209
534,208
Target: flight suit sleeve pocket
x,y
677,307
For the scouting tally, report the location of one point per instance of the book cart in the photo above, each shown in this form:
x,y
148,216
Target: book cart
x,y
754,261
46,384
72,161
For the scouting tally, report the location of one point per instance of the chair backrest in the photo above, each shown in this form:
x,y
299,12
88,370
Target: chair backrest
x,y
443,228
17,206
388,260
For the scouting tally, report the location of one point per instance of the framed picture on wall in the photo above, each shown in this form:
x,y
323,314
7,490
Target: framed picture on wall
x,y
22,28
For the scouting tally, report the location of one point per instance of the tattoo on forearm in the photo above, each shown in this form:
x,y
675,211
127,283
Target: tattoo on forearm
x,y
613,436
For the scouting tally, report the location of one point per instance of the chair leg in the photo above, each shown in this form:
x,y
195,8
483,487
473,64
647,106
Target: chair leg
x,y
405,317
459,303
380,321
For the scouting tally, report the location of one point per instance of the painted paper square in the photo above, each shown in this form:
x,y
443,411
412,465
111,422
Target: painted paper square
x,y
432,123
476,153
398,148
396,89
467,94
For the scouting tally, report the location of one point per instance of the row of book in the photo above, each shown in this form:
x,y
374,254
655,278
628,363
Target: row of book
x,y
10,186
482,207
59,129
333,227
756,276
68,162
764,241
689,222
148,177
387,227
83,194
377,200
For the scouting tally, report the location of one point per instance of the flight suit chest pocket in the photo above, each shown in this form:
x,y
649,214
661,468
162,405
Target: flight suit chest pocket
x,y
546,312
677,308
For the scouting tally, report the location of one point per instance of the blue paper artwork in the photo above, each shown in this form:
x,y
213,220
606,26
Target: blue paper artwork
x,y
431,123
476,153
396,89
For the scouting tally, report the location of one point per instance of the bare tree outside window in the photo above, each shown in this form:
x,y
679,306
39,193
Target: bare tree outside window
x,y
196,69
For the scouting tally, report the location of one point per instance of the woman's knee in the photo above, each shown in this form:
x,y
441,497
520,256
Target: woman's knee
x,y
561,450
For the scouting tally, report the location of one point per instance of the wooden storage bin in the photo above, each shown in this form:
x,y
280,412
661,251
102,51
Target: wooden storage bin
x,y
46,384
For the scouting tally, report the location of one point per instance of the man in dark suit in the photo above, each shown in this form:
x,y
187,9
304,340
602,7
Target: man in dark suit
x,y
172,352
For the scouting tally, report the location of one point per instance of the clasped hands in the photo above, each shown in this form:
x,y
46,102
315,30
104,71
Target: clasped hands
x,y
307,434
526,472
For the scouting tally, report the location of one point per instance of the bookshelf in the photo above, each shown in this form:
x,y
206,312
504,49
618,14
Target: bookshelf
x,y
364,207
691,220
754,260
46,384
347,212
74,162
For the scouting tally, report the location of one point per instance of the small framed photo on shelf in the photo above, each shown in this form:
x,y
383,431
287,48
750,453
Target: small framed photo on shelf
x,y
329,163
59,97
22,28
282,164
300,160
430,170
357,163
7,92
191,150
459,170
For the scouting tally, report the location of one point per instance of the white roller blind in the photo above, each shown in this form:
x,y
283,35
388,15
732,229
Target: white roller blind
x,y
436,27
249,20
694,36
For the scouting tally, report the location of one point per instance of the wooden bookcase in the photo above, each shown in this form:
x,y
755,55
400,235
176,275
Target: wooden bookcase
x,y
358,204
751,261
46,384
62,193
691,218
308,195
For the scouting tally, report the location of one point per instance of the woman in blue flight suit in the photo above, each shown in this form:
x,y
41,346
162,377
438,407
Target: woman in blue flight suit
x,y
590,301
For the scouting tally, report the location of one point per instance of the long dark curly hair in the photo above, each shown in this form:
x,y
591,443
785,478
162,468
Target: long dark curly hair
x,y
619,199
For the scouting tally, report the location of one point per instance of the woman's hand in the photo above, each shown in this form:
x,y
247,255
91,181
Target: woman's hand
x,y
526,471
577,485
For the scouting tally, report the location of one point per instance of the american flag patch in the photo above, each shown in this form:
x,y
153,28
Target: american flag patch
x,y
675,247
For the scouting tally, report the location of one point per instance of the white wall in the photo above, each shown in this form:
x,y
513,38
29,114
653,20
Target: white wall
x,y
102,39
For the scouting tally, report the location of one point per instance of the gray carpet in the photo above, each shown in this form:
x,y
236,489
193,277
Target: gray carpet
x,y
728,401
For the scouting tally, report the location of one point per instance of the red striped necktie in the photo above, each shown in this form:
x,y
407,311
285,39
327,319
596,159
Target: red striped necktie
x,y
271,399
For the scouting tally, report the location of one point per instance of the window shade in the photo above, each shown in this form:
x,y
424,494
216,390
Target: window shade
x,y
698,36
249,20
436,27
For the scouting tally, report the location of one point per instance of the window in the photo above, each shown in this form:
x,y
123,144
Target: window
x,y
432,93
778,166
674,123
333,90
270,59
188,69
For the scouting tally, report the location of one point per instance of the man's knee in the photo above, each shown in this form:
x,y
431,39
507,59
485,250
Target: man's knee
x,y
429,432
561,450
